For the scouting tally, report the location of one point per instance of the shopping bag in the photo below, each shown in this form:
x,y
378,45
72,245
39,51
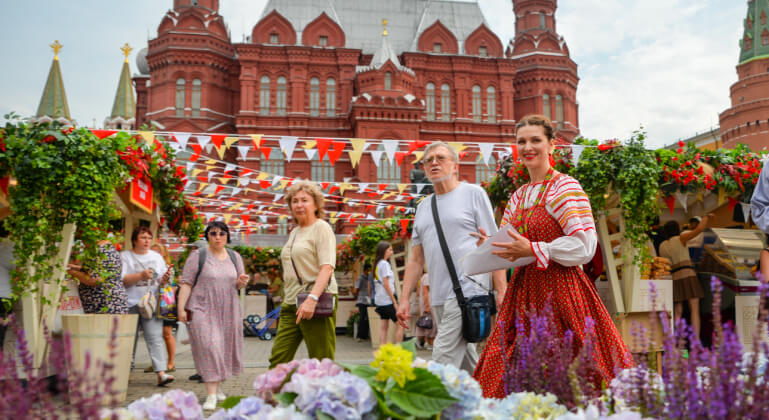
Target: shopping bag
x,y
167,303
69,304
182,335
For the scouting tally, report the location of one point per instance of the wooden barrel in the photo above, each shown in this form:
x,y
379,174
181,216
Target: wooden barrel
x,y
91,334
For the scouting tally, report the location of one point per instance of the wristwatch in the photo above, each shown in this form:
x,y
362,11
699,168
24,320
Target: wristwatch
x,y
313,297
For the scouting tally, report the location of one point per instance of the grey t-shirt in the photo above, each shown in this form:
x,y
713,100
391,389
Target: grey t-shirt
x,y
462,211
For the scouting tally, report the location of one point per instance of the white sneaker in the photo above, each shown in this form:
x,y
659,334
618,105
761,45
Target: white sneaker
x,y
210,403
220,396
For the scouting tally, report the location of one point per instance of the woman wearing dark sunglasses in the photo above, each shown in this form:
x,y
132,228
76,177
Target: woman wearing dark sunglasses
x,y
208,303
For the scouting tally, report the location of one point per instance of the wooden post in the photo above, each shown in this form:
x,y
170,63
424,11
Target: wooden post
x,y
611,263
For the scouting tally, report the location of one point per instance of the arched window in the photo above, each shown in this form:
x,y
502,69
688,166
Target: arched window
x,y
476,103
484,173
491,104
388,81
322,171
546,106
275,165
280,99
196,97
330,97
559,110
542,20
264,95
387,172
314,97
180,97
430,101
445,102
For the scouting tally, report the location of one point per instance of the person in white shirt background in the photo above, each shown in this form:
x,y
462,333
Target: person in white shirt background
x,y
384,295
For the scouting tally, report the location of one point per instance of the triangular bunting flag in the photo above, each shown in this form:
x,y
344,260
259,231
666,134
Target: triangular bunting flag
x,y
287,145
310,153
486,150
670,201
229,167
203,140
243,152
217,140
236,191
220,151
402,187
228,141
682,198
745,211
323,145
376,155
420,187
197,151
405,223
358,146
148,136
362,187
102,134
390,146
310,144
576,152
182,139
399,157
419,156
277,197
208,147
334,155
257,140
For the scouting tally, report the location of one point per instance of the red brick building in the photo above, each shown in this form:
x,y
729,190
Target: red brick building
x,y
747,121
330,69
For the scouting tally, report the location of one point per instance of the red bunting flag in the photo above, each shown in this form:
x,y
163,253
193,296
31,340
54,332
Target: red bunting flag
x,y
334,155
515,152
382,187
197,150
399,157
334,188
671,202
265,183
324,185
462,155
245,218
217,139
245,172
732,202
405,223
102,134
266,152
218,189
4,184
323,145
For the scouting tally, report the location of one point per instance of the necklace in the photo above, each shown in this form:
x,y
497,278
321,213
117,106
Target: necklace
x,y
521,221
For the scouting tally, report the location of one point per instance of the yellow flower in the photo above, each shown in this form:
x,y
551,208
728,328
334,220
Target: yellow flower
x,y
393,362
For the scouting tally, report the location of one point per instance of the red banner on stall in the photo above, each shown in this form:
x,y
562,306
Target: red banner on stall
x,y
141,194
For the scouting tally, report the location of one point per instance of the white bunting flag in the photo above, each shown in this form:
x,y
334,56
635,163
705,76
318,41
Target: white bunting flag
x,y
229,167
263,219
176,146
370,217
576,152
390,146
243,151
745,211
310,153
420,187
486,150
211,175
276,180
236,191
244,181
203,140
288,144
377,156
182,139
277,197
682,198
362,187
208,147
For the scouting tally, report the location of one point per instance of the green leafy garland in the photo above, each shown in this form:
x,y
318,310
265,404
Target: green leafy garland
x,y
362,244
264,260
68,176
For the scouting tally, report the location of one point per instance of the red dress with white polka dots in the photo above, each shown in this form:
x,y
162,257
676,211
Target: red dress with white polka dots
x,y
572,296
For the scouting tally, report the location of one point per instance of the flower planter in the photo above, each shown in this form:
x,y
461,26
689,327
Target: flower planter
x,y
91,334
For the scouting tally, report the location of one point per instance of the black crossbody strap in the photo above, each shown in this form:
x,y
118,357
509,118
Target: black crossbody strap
x,y
291,255
447,254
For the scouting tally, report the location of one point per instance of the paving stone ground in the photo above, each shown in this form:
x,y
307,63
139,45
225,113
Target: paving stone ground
x,y
256,354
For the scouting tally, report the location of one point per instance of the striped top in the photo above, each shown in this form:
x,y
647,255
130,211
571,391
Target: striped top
x,y
570,206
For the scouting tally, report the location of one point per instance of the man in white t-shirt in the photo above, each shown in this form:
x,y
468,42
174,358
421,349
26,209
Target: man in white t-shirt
x,y
464,210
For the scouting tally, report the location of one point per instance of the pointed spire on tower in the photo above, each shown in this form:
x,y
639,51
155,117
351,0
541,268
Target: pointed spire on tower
x,y
53,103
124,106
755,38
385,53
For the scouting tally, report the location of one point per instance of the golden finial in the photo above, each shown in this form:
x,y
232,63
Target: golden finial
x,y
56,46
384,25
126,51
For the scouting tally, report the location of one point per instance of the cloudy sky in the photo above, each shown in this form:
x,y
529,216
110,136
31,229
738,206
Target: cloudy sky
x,y
665,65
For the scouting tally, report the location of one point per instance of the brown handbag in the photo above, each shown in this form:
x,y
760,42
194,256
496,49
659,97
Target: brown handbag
x,y
324,307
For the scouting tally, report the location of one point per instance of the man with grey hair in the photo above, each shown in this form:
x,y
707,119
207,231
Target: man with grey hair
x,y
464,210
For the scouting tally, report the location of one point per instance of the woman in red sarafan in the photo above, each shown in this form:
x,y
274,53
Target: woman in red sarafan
x,y
549,219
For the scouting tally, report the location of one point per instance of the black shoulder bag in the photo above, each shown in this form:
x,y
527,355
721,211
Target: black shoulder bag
x,y
476,311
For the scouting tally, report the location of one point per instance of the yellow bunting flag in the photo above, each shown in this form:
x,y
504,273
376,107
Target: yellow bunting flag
x,y
333,220
227,217
236,206
282,184
262,176
257,139
148,136
332,214
458,146
223,180
211,162
220,151
388,195
282,217
228,141
344,186
309,144
202,185
196,172
721,196
358,145
401,187
419,156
